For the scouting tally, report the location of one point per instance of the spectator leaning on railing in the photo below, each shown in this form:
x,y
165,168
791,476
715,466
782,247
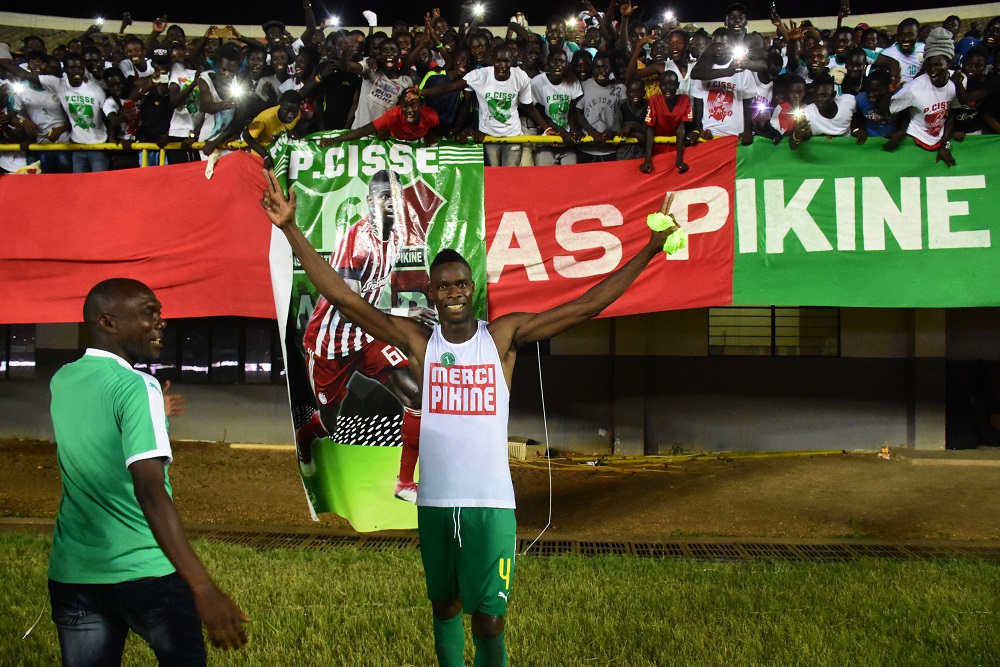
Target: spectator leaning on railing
x,y
980,113
556,91
669,114
828,115
187,115
873,117
10,161
39,113
722,84
598,111
271,123
928,98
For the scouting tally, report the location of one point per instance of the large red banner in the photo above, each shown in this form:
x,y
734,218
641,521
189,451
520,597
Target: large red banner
x,y
554,232
202,245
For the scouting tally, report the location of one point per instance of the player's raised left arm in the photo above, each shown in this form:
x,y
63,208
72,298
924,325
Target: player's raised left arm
x,y
522,328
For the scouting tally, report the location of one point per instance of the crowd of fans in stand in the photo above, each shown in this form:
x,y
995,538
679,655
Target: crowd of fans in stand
x,y
607,75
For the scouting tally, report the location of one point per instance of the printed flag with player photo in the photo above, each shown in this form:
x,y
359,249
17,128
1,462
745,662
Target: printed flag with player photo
x,y
379,211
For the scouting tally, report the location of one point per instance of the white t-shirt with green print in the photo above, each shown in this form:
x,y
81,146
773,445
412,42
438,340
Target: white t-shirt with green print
x,y
83,107
556,99
188,116
498,100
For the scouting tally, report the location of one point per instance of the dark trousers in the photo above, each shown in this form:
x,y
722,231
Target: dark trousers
x,y
94,619
55,162
181,156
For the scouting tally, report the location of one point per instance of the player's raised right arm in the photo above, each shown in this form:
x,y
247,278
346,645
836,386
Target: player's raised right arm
x,y
397,331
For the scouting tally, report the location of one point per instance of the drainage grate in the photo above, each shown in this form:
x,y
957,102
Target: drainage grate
x,y
703,549
604,549
654,550
880,551
669,550
547,548
280,540
321,542
379,543
768,551
713,551
242,538
928,552
978,552
822,552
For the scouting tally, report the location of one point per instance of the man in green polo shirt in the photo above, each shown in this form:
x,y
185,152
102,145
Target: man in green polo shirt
x,y
120,559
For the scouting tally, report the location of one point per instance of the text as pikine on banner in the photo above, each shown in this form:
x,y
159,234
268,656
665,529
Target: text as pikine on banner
x,y
550,238
832,224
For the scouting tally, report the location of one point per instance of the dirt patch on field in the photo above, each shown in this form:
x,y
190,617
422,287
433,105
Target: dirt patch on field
x,y
948,495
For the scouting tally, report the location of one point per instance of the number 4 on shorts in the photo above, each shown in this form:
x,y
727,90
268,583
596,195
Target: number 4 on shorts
x,y
505,572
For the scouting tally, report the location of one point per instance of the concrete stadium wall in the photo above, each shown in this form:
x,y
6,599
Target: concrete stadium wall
x,y
660,389
663,390
215,413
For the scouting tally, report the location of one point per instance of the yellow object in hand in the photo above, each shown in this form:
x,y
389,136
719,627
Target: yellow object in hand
x,y
660,222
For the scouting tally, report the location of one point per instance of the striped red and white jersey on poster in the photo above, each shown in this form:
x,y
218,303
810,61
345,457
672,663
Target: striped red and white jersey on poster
x,y
390,272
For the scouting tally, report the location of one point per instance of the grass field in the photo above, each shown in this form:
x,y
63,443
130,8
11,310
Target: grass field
x,y
348,607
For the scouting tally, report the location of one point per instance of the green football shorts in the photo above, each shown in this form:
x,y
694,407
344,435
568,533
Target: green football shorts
x,y
468,553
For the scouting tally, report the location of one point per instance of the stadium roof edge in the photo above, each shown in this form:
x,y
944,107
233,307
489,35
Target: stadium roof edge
x,y
39,21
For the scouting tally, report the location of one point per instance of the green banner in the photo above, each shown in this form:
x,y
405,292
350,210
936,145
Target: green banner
x,y
839,224
380,212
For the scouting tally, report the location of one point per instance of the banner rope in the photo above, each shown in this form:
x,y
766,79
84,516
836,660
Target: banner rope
x,y
548,454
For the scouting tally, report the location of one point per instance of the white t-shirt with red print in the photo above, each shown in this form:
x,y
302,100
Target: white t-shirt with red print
x,y
760,95
839,125
929,106
722,101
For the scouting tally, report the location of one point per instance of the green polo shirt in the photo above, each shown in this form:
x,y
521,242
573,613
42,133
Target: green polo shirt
x,y
106,415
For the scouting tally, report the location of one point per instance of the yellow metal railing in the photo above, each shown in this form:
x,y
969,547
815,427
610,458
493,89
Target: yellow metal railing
x,y
144,148
556,139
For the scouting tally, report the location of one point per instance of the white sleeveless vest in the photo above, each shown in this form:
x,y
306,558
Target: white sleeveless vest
x,y
463,426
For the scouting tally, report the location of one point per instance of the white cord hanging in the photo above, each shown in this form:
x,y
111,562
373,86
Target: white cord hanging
x,y
548,457
25,636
